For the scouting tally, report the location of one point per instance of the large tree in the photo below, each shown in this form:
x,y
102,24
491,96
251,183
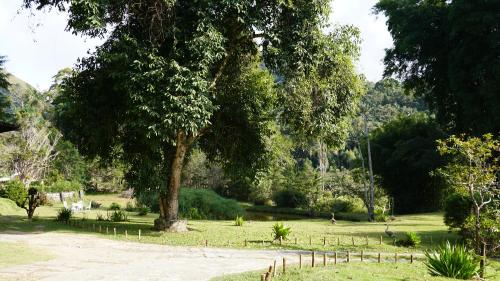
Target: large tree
x,y
448,52
6,118
175,73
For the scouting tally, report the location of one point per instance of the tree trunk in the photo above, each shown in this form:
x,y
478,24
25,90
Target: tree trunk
x,y
371,209
169,203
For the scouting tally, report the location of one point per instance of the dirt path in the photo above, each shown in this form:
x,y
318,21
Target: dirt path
x,y
85,257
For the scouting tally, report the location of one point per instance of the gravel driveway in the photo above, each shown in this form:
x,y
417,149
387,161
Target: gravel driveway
x,y
86,257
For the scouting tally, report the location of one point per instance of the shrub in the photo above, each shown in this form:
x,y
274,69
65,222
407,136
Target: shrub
x,y
289,198
64,215
118,216
381,216
453,261
280,230
456,209
142,210
95,205
239,221
15,191
411,239
209,205
63,185
114,206
343,206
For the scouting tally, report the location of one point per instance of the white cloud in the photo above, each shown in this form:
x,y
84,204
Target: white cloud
x,y
37,44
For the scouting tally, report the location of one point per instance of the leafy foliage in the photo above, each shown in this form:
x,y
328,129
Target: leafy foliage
x,y
411,239
446,51
188,71
239,221
404,151
280,230
117,216
114,206
15,191
64,215
453,261
457,208
473,169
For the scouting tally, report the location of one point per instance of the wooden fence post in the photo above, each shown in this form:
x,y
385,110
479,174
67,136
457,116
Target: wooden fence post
x,y
324,241
395,257
335,258
338,241
482,263
352,238
411,258
126,234
380,243
245,242
300,261
378,258
114,231
394,242
263,277
206,243
274,269
324,259
284,265
361,255
281,240
366,239
312,260
262,242
295,240
348,256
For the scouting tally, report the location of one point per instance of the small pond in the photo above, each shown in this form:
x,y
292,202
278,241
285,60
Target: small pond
x,y
261,216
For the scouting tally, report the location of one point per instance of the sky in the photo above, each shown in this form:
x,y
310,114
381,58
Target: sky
x,y
37,44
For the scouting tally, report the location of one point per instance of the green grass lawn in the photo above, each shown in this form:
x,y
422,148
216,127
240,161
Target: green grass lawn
x,y
18,253
355,271
225,234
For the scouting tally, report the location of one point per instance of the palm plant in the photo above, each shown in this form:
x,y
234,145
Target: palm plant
x,y
454,261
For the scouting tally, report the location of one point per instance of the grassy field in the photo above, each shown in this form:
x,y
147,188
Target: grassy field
x,y
355,271
309,233
20,254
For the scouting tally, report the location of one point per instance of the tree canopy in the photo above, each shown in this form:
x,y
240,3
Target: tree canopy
x,y
175,73
448,52
405,153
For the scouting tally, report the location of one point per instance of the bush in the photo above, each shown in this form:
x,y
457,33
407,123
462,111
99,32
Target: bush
x,y
142,210
453,261
64,215
457,207
239,221
343,206
381,216
15,191
208,204
63,185
95,205
289,198
411,239
117,216
280,230
114,206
